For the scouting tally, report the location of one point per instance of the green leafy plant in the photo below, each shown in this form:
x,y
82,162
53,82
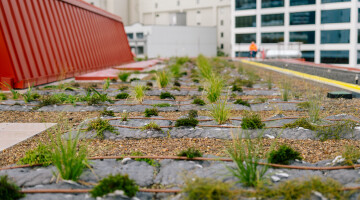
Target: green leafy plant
x,y
196,80
2,96
336,130
41,155
351,154
261,99
29,95
96,97
151,112
68,156
151,126
15,93
204,67
177,84
182,60
106,84
106,112
242,102
213,88
206,189
112,183
123,76
193,113
9,190
246,154
301,122
124,116
199,102
186,122
122,95
139,93
251,121
162,105
149,161
220,111
100,126
304,105
166,95
284,155
175,88
236,88
175,70
162,79
190,153
314,108
123,88
134,79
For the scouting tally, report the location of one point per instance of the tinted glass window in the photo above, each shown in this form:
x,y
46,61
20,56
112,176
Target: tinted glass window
x,y
301,2
332,1
139,35
335,36
272,3
245,4
272,20
335,16
359,14
272,37
130,35
308,55
340,57
306,37
300,18
358,35
245,38
358,57
242,54
245,21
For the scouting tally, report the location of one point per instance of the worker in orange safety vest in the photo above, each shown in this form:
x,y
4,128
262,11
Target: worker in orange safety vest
x,y
253,49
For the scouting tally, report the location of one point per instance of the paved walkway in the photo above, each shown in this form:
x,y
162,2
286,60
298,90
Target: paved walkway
x,y
13,133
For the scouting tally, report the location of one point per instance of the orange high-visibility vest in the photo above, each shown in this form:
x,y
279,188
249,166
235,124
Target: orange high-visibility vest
x,y
253,47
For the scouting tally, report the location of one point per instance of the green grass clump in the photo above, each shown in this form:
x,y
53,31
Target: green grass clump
x,y
9,190
139,93
186,122
107,113
68,156
2,96
204,66
175,70
151,112
213,88
151,126
100,126
106,84
122,95
285,91
162,79
112,183
335,131
206,189
41,155
124,76
220,111
304,105
314,108
301,122
182,60
15,93
351,154
29,95
149,161
93,97
242,102
284,155
123,88
162,105
199,102
193,113
251,121
190,153
196,80
177,84
134,79
166,95
236,88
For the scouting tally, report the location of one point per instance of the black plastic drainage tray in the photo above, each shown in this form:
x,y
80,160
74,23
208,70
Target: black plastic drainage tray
x,y
340,94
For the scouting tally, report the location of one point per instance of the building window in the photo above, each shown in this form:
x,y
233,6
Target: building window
x,y
245,4
335,36
272,20
272,3
139,35
130,36
359,15
308,55
198,12
335,16
222,34
242,54
272,37
178,3
358,35
337,57
140,50
245,21
306,37
301,2
300,18
222,22
358,57
245,38
333,1
221,46
156,5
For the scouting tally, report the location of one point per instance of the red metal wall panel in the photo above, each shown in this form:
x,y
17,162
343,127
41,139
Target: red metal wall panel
x,y
44,40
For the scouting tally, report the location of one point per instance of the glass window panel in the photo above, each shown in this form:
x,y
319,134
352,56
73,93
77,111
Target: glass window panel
x,y
358,57
245,38
306,37
359,14
332,1
245,21
272,20
335,36
358,35
139,35
272,37
140,50
130,35
339,57
301,2
308,55
300,18
245,4
272,3
335,16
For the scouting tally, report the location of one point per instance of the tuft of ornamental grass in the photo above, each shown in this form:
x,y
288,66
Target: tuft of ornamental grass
x,y
314,108
162,79
124,76
204,66
139,93
175,70
149,112
2,96
106,84
285,91
15,93
106,112
284,155
69,156
199,102
251,121
242,102
29,95
213,89
220,111
100,126
112,183
9,190
190,153
351,154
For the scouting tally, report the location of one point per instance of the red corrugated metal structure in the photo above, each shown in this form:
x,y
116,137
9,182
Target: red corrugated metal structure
x,y
43,41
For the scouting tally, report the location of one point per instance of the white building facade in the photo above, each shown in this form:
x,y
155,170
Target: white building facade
x,y
327,29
